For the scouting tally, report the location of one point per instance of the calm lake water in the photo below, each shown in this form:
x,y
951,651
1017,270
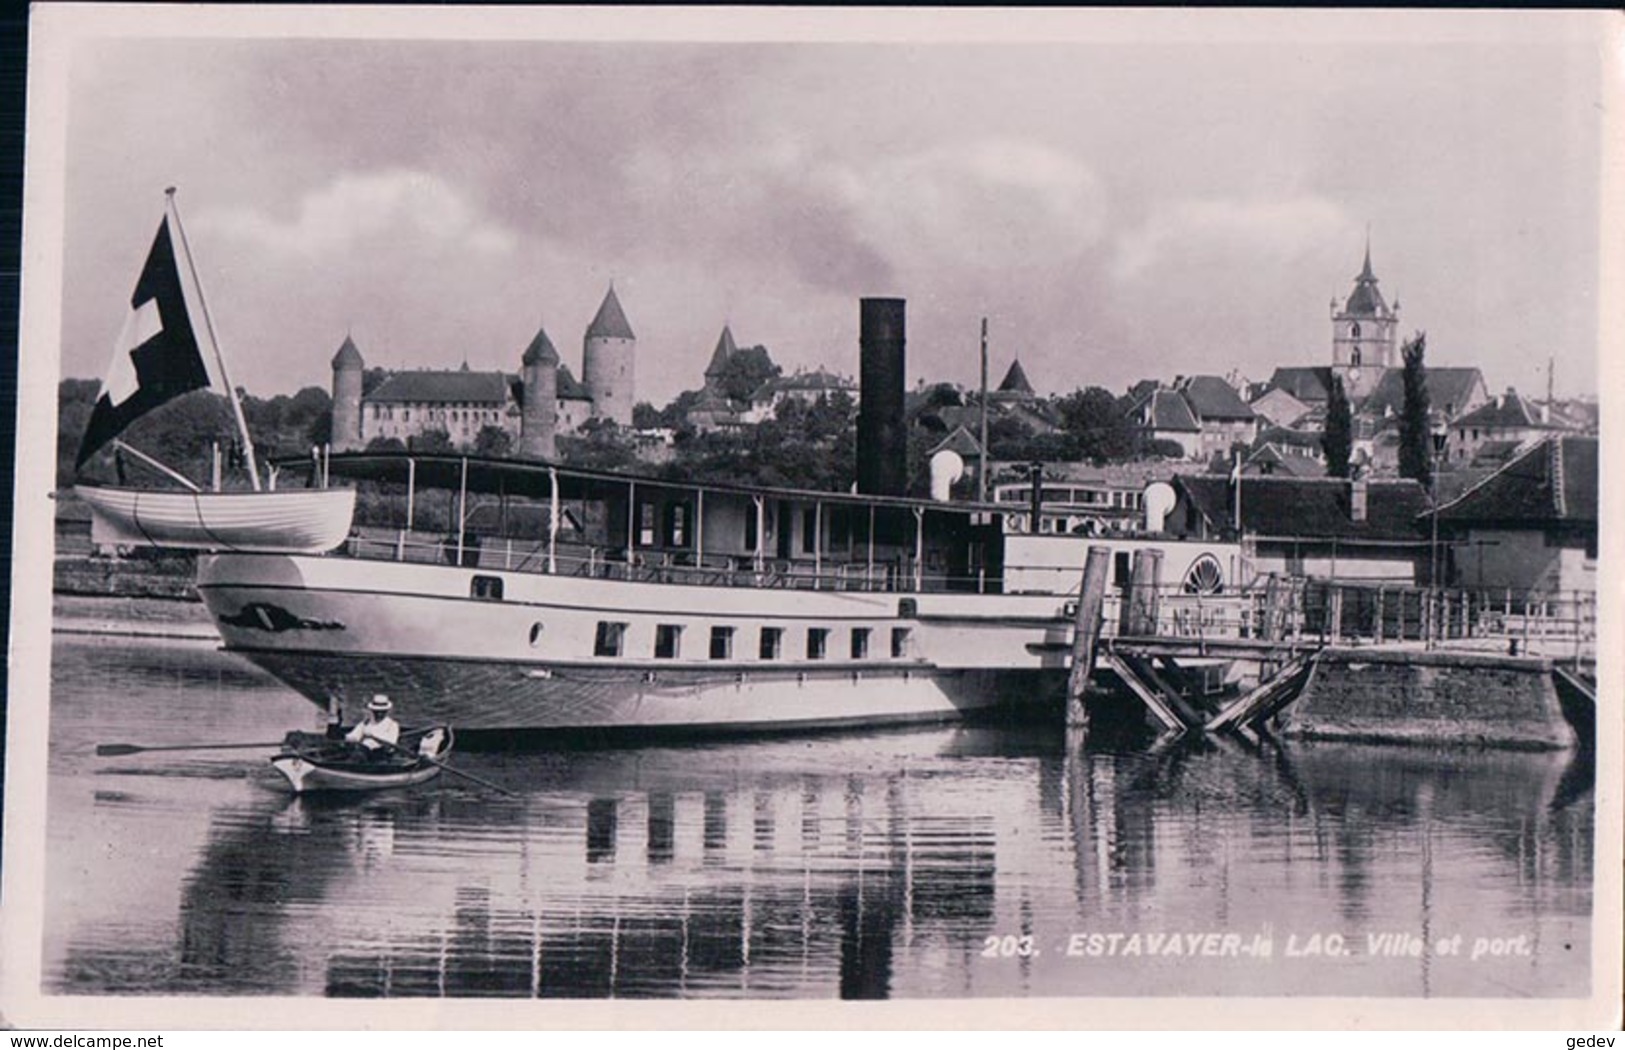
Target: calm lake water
x,y
931,862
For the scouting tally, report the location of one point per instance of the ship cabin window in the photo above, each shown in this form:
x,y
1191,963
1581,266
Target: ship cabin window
x,y
809,530
535,633
486,588
817,642
1120,569
722,643
772,643
668,638
750,529
837,529
646,525
676,525
610,640
860,643
901,640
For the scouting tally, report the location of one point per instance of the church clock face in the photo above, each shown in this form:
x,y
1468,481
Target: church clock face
x,y
1354,374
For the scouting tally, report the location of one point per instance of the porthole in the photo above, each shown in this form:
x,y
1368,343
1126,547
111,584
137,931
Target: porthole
x,y
535,634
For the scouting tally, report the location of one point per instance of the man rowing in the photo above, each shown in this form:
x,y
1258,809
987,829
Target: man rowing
x,y
378,733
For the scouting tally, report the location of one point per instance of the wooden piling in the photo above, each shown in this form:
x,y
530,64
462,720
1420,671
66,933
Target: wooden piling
x,y
1140,596
1086,633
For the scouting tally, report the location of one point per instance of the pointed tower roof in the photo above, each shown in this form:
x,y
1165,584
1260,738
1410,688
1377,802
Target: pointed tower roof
x,y
540,350
348,356
1365,300
610,323
719,357
1015,380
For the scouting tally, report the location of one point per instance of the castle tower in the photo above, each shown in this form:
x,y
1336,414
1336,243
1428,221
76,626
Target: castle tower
x,y
726,348
538,414
607,362
347,368
1363,334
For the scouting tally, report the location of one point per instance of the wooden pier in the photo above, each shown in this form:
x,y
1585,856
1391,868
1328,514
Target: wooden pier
x,y
1165,646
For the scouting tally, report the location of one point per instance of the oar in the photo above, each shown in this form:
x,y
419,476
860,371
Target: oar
x,y
110,750
454,772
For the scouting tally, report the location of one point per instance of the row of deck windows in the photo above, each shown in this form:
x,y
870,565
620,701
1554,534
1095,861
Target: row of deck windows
x,y
610,641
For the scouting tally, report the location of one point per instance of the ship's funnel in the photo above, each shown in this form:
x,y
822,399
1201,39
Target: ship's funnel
x,y
947,467
882,440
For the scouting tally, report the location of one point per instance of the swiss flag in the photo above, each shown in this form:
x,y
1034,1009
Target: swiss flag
x,y
156,358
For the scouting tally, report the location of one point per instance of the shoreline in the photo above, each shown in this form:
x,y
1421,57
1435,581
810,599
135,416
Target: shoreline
x,y
120,616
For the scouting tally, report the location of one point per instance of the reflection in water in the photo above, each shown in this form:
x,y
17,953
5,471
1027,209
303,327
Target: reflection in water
x,y
901,864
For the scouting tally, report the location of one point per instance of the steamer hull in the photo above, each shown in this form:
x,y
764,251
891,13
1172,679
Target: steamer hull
x,y
536,658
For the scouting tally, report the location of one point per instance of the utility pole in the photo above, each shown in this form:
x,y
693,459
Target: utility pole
x,y
981,469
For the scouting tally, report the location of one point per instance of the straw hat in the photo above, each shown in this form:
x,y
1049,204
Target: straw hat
x,y
379,702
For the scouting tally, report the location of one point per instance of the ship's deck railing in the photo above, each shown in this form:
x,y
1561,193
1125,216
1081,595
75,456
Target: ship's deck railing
x,y
1556,624
893,574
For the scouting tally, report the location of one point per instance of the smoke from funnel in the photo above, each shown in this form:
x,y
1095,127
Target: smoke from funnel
x,y
882,441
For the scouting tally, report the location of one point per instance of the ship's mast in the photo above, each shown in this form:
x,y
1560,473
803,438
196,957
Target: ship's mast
x,y
214,342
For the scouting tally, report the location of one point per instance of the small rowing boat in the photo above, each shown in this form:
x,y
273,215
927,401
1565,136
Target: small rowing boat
x,y
318,762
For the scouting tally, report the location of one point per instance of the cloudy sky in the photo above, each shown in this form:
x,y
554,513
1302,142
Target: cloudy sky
x,y
1144,203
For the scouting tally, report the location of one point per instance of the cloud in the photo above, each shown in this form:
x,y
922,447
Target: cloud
x,y
987,204
1260,231
396,207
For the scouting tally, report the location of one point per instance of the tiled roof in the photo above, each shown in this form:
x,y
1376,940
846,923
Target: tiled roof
x,y
959,441
348,356
569,389
540,350
435,387
1015,380
1510,410
1212,398
1553,481
1312,508
1449,390
610,322
1308,385
1170,412
1278,406
817,380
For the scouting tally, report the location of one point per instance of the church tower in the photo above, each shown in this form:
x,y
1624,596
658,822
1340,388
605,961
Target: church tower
x,y
607,362
347,368
1363,334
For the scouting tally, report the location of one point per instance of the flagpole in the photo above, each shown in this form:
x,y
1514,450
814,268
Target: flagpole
x,y
214,342
1238,495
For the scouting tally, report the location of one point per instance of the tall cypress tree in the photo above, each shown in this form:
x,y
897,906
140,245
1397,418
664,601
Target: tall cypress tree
x,y
1415,441
1338,440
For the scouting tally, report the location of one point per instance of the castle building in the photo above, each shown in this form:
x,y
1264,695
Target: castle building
x,y
532,407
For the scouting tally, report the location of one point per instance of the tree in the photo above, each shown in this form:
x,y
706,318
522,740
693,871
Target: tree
x,y
1337,442
430,441
386,444
1099,424
1415,438
645,416
745,371
493,441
